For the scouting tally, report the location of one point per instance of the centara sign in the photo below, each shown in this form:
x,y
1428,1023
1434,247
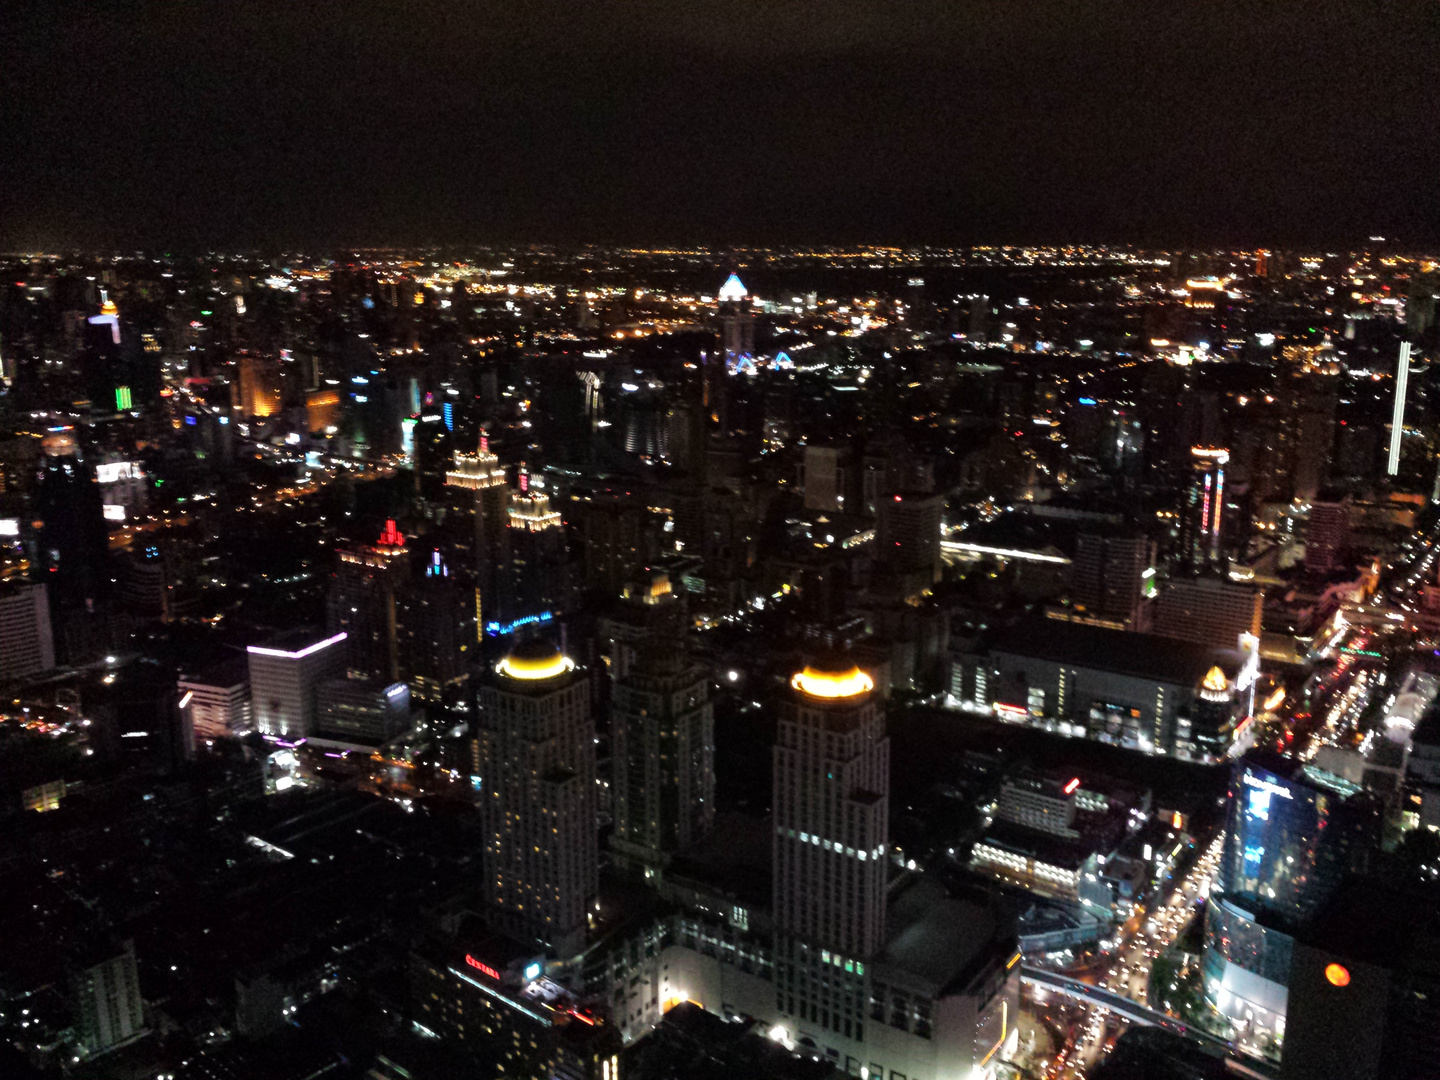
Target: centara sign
x,y
484,969
1267,785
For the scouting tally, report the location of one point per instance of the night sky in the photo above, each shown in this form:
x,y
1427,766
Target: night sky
x,y
753,121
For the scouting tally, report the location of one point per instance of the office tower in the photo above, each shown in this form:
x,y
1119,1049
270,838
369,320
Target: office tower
x,y
105,998
1112,576
71,539
1202,509
662,730
438,631
322,411
1397,415
144,587
259,386
907,539
618,533
362,712
1327,533
1293,833
434,445
826,477
478,529
218,700
536,746
538,553
1208,611
1312,441
831,806
737,325
285,678
1262,263
26,643
363,603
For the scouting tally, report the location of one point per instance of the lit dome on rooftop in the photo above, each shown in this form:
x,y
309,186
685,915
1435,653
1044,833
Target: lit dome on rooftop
x,y
535,660
832,678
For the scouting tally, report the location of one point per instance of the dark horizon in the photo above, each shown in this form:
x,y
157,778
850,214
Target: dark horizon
x,y
283,126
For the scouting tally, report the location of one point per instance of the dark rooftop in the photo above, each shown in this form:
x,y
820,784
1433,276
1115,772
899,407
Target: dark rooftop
x,y
1146,656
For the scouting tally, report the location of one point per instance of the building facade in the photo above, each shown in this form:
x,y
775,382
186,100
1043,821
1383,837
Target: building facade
x,y
1139,691
285,678
536,746
662,732
27,644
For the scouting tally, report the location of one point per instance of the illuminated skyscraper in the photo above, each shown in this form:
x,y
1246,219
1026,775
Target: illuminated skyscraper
x,y
438,632
1293,833
477,526
364,603
662,730
538,553
1202,509
259,386
831,801
737,325
536,746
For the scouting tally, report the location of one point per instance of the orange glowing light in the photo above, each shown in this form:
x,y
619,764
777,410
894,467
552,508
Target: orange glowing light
x,y
1337,974
832,684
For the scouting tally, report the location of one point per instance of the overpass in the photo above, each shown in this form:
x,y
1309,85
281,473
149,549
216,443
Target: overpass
x,y
1141,1014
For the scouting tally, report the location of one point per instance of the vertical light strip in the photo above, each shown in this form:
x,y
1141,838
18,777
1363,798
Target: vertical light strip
x,y
1397,419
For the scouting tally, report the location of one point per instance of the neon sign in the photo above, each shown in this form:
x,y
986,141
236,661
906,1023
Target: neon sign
x,y
484,969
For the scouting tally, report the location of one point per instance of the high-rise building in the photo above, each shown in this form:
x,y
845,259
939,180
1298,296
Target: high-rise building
x,y
26,643
1327,533
105,997
285,679
1293,834
1208,611
662,731
218,700
364,603
362,712
737,325
434,444
831,805
438,631
536,746
907,538
1112,576
477,524
70,536
259,386
539,556
1202,509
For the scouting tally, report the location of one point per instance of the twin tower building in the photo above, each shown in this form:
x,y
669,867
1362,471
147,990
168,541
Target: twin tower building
x,y
928,990
536,748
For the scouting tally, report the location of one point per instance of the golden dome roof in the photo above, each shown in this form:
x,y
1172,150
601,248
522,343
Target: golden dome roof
x,y
534,660
832,679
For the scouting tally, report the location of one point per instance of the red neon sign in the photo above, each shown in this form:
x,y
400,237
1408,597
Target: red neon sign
x,y
1072,785
484,969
